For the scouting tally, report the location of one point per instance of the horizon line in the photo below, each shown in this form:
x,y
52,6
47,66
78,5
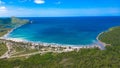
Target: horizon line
x,y
55,16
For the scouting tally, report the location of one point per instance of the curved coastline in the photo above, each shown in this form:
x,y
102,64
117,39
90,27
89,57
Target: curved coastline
x,y
104,44
100,40
100,43
104,32
5,37
51,44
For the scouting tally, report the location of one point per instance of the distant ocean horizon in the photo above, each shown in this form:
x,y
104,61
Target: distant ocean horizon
x,y
64,30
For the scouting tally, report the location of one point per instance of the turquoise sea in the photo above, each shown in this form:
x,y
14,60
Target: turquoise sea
x,y
64,30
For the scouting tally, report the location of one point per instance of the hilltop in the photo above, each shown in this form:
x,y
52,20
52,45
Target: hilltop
x,y
6,24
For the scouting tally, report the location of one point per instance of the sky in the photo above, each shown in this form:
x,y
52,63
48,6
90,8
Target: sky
x,y
59,8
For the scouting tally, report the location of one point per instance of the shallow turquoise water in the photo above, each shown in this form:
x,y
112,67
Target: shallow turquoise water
x,y
65,30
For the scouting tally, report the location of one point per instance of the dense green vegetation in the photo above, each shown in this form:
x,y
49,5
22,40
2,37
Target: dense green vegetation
x,y
112,36
10,22
3,48
16,21
6,24
92,58
84,58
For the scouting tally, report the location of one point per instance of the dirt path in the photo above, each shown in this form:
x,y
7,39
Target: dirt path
x,y
7,54
39,52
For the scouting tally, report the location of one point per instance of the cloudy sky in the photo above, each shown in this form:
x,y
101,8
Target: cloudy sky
x,y
56,8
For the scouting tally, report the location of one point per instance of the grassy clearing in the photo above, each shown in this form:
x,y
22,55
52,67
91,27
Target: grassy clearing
x,y
3,48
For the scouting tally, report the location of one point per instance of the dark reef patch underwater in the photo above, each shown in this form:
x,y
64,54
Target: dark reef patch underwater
x,y
64,30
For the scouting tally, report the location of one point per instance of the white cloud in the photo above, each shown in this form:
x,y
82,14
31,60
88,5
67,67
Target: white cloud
x,y
3,9
39,1
23,12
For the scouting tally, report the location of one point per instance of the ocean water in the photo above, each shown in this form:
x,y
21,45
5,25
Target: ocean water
x,y
64,30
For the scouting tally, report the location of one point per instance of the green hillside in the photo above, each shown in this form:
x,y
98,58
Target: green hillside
x,y
112,36
84,58
6,24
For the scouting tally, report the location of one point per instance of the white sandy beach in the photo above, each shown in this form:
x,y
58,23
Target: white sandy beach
x,y
6,37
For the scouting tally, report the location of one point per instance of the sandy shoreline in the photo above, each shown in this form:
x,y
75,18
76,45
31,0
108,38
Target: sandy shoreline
x,y
98,38
5,37
51,44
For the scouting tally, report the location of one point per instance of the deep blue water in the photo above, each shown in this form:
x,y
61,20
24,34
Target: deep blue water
x,y
65,30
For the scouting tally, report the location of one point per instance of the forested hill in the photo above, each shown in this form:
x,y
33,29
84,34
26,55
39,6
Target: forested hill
x,y
13,21
17,21
7,24
112,36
